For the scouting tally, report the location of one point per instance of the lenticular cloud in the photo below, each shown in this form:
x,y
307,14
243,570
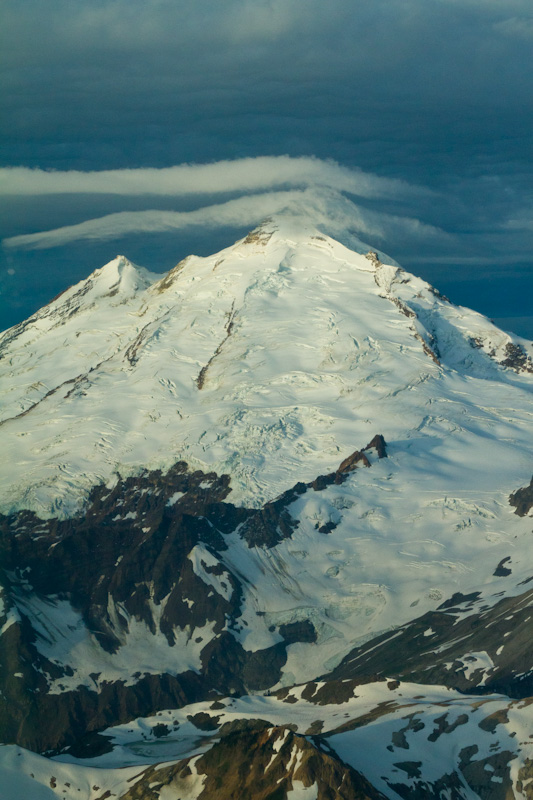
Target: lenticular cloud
x,y
242,175
329,208
264,185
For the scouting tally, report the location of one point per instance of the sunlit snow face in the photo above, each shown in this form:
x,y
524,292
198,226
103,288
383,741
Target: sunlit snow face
x,y
271,362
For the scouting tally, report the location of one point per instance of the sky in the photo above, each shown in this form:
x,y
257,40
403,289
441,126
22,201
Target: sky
x,y
164,127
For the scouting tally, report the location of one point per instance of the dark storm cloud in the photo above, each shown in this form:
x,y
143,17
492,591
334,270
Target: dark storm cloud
x,y
135,78
432,92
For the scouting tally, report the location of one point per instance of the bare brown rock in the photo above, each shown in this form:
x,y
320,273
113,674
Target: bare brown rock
x,y
254,761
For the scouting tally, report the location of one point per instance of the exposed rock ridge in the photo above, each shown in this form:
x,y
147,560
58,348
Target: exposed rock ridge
x,y
254,761
69,308
385,277
273,523
465,644
74,384
516,358
505,352
230,316
150,549
522,500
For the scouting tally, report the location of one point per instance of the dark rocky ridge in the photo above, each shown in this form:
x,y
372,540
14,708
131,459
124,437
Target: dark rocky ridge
x,y
106,552
515,355
249,757
132,545
273,523
522,500
436,648
516,358
126,555
254,761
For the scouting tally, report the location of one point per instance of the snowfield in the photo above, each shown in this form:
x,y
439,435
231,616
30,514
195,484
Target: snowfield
x,y
268,361
272,362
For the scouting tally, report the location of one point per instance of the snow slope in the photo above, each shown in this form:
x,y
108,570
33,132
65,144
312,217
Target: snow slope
x,y
268,361
272,361
404,738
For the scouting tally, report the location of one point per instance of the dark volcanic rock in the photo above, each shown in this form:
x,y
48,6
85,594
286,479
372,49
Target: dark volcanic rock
x,y
129,538
352,462
50,722
273,523
203,721
437,648
303,631
127,555
330,692
379,445
501,570
226,663
516,358
522,500
123,557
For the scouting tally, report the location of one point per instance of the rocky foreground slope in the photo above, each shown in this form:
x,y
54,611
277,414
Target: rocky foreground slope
x,y
265,532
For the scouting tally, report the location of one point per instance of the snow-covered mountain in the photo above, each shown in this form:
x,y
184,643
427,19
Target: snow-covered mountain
x,y
286,462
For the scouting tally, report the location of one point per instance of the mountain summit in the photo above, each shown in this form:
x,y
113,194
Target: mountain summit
x,y
265,362
289,477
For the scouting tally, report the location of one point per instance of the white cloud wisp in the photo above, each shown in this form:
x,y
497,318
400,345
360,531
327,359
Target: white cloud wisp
x,y
328,208
241,175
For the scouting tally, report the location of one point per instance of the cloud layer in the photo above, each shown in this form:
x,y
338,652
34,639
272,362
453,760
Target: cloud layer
x,y
327,208
242,175
115,83
102,99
